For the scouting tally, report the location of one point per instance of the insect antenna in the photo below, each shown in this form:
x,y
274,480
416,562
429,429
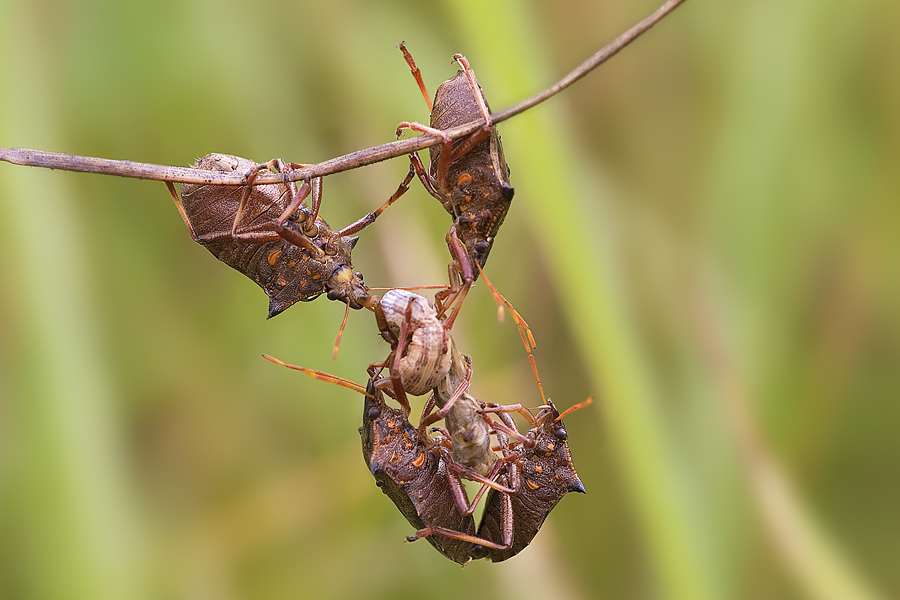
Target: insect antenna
x,y
409,289
574,408
322,376
337,342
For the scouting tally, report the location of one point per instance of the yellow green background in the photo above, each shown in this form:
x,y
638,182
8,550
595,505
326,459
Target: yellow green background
x,y
704,238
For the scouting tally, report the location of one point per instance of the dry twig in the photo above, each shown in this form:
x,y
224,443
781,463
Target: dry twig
x,y
353,160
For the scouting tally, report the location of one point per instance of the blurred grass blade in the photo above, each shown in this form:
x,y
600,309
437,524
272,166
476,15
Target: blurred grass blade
x,y
74,522
818,565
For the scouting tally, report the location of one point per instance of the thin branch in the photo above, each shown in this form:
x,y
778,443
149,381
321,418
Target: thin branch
x,y
353,160
600,57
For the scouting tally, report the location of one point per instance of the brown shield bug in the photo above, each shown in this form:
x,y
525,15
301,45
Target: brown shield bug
x,y
413,476
545,473
269,235
469,177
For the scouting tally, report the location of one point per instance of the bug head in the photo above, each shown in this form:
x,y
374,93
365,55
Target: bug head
x,y
347,286
551,459
475,236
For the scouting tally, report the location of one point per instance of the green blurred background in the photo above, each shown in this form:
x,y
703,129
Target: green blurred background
x,y
703,238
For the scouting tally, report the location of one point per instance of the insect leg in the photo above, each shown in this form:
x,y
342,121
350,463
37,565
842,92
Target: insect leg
x,y
510,408
426,179
181,212
463,267
251,177
370,218
396,380
415,73
440,414
446,150
507,520
297,198
476,138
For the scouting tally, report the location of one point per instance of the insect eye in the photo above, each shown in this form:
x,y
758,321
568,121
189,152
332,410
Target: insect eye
x,y
508,191
373,413
561,434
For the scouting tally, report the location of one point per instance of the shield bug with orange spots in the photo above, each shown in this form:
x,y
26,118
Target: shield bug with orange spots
x,y
267,233
413,475
469,177
544,474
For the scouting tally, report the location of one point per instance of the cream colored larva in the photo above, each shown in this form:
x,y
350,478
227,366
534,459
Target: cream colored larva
x,y
426,357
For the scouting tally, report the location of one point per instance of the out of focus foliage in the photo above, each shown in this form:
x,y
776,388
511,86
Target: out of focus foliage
x,y
704,237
